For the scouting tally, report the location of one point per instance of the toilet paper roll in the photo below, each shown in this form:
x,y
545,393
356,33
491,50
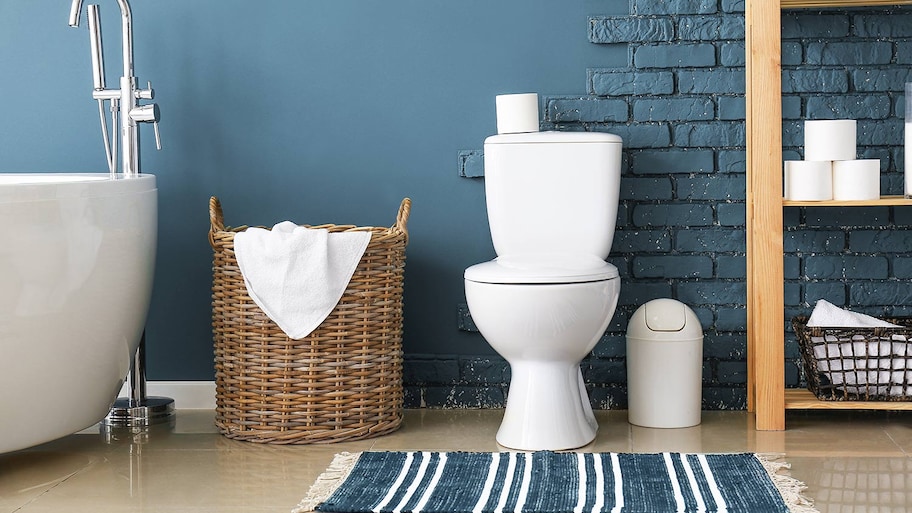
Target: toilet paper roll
x,y
808,180
856,179
517,113
830,139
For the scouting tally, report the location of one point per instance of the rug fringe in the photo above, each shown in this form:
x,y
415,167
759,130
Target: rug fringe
x,y
338,471
789,487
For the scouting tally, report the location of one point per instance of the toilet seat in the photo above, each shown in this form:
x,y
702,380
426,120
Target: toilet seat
x,y
542,268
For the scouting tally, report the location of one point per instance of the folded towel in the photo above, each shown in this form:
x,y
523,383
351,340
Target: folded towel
x,y
297,275
829,315
858,365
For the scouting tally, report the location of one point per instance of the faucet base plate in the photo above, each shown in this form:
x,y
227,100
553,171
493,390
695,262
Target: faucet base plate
x,y
149,411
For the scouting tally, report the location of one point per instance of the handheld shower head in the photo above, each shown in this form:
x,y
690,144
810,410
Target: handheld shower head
x,y
98,73
74,13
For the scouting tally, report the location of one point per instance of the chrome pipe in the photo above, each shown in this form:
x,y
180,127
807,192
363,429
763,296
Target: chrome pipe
x,y
126,23
138,374
139,410
129,133
104,136
98,74
115,110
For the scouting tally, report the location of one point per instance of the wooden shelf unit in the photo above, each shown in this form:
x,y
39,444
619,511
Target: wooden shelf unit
x,y
803,399
884,201
796,4
766,394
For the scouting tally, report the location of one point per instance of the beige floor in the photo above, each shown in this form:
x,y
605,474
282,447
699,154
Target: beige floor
x,y
851,462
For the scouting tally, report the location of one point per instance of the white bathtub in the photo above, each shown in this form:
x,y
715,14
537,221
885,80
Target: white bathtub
x,y
77,257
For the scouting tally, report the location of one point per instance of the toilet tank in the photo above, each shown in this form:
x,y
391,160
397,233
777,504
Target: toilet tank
x,y
552,192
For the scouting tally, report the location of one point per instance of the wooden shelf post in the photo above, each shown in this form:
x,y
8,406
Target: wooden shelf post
x,y
765,275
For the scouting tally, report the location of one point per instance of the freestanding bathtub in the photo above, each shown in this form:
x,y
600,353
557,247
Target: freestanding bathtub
x,y
77,257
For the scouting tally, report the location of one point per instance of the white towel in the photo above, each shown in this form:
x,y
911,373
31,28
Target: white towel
x,y
853,365
829,315
297,275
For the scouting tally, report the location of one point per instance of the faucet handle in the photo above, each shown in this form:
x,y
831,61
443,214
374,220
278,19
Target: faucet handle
x,y
158,139
145,94
148,114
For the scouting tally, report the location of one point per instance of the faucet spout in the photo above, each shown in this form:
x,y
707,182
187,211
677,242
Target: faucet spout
x,y
126,17
74,13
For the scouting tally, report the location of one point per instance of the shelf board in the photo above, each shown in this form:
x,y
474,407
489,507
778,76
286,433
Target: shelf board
x,y
795,4
884,201
803,399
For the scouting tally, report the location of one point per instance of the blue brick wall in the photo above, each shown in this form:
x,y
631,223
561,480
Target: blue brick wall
x,y
679,105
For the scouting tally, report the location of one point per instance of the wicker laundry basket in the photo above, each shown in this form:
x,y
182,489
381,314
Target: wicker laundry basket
x,y
857,364
341,382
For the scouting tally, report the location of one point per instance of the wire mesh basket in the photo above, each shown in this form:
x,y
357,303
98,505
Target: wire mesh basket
x,y
857,364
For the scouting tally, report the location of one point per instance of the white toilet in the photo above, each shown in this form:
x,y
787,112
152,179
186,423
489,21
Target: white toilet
x,y
548,297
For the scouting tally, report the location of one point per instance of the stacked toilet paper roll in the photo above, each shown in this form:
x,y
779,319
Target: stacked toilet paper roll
x,y
808,180
856,179
829,169
829,139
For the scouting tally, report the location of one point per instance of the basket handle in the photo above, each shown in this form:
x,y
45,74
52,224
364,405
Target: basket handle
x,y
216,219
405,208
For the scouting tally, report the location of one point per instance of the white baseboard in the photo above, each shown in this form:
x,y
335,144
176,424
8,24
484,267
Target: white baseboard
x,y
187,395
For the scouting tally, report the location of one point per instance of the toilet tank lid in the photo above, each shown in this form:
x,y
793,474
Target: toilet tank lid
x,y
554,137
549,268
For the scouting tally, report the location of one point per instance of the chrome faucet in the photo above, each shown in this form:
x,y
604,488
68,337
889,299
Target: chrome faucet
x,y
138,409
125,105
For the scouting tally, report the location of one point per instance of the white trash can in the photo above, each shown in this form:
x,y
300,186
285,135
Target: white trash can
x,y
664,365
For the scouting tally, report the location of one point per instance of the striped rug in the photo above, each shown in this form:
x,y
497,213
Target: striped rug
x,y
548,482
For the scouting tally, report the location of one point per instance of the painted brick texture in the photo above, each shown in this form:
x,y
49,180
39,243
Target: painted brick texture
x,y
679,106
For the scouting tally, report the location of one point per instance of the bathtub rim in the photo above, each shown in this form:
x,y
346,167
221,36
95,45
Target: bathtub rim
x,y
28,187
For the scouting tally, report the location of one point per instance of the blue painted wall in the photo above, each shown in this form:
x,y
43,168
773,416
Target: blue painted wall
x,y
315,111
334,110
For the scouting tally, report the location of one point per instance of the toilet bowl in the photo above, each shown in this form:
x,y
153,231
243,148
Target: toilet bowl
x,y
543,329
548,297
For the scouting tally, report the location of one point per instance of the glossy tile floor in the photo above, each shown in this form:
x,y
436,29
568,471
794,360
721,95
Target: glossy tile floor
x,y
851,461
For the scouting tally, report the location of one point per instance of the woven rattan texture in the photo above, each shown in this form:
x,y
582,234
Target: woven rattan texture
x,y
341,382
857,364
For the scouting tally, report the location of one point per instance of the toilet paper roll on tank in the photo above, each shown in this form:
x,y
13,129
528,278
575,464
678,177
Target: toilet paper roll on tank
x,y
517,113
830,170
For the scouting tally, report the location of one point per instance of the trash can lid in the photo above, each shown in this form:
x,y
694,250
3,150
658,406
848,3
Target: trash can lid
x,y
664,319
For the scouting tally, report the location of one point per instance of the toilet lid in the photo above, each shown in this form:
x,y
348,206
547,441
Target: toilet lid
x,y
555,268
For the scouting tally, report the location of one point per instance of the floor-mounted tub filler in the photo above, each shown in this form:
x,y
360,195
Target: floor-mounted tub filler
x,y
77,259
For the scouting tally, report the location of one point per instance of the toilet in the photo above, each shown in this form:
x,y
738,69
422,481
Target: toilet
x,y
547,298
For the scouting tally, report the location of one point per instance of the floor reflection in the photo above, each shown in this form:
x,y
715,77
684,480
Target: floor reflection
x,y
853,462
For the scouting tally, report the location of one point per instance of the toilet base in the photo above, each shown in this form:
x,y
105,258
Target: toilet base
x,y
547,408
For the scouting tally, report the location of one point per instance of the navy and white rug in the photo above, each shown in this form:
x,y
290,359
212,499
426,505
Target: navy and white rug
x,y
548,482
